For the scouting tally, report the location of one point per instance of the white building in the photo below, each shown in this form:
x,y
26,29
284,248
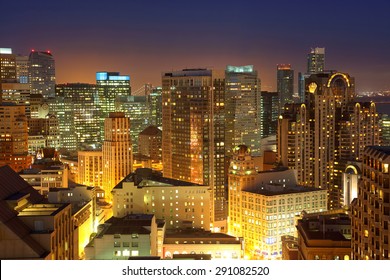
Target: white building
x,y
180,204
120,238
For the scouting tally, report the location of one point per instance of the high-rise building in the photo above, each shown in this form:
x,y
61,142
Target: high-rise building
x,y
90,168
136,108
78,115
48,128
320,137
242,108
315,65
42,76
14,137
269,113
371,209
155,106
117,151
285,85
316,61
194,131
22,69
110,85
262,205
385,130
150,143
7,66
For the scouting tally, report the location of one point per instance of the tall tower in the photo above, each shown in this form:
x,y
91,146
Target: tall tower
x,y
315,65
371,211
242,108
14,137
193,131
316,61
7,66
285,85
269,113
328,133
117,152
42,74
78,114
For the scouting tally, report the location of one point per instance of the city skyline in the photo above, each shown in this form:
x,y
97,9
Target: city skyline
x,y
143,40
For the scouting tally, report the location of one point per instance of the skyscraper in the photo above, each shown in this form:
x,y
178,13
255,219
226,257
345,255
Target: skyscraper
x,y
78,114
242,108
319,138
42,76
14,137
117,152
315,65
285,85
193,131
7,66
316,61
371,210
269,113
136,108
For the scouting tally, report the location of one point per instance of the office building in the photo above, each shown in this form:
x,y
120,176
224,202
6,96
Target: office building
x,y
117,151
78,116
7,66
204,244
42,76
110,85
136,108
285,85
316,61
120,238
269,113
90,168
22,69
14,137
242,108
155,106
262,205
193,131
181,204
324,236
315,65
150,143
371,209
48,128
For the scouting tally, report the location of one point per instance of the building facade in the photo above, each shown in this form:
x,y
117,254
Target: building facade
x,y
194,131
242,108
181,204
262,205
371,209
117,151
285,85
42,75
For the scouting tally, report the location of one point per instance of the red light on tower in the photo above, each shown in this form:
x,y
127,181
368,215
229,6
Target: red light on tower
x,y
48,51
32,50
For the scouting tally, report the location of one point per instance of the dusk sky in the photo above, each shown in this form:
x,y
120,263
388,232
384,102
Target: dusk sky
x,y
145,38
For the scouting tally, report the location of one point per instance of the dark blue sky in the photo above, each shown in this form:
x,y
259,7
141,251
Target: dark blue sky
x,y
145,38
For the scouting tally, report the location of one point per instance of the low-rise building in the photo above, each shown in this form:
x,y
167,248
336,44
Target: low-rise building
x,y
181,204
324,236
185,243
30,227
134,235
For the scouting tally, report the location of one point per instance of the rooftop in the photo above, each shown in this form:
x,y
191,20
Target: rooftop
x,y
146,177
151,130
42,209
277,189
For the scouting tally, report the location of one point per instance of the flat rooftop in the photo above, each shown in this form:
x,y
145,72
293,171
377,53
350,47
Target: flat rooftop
x,y
42,209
